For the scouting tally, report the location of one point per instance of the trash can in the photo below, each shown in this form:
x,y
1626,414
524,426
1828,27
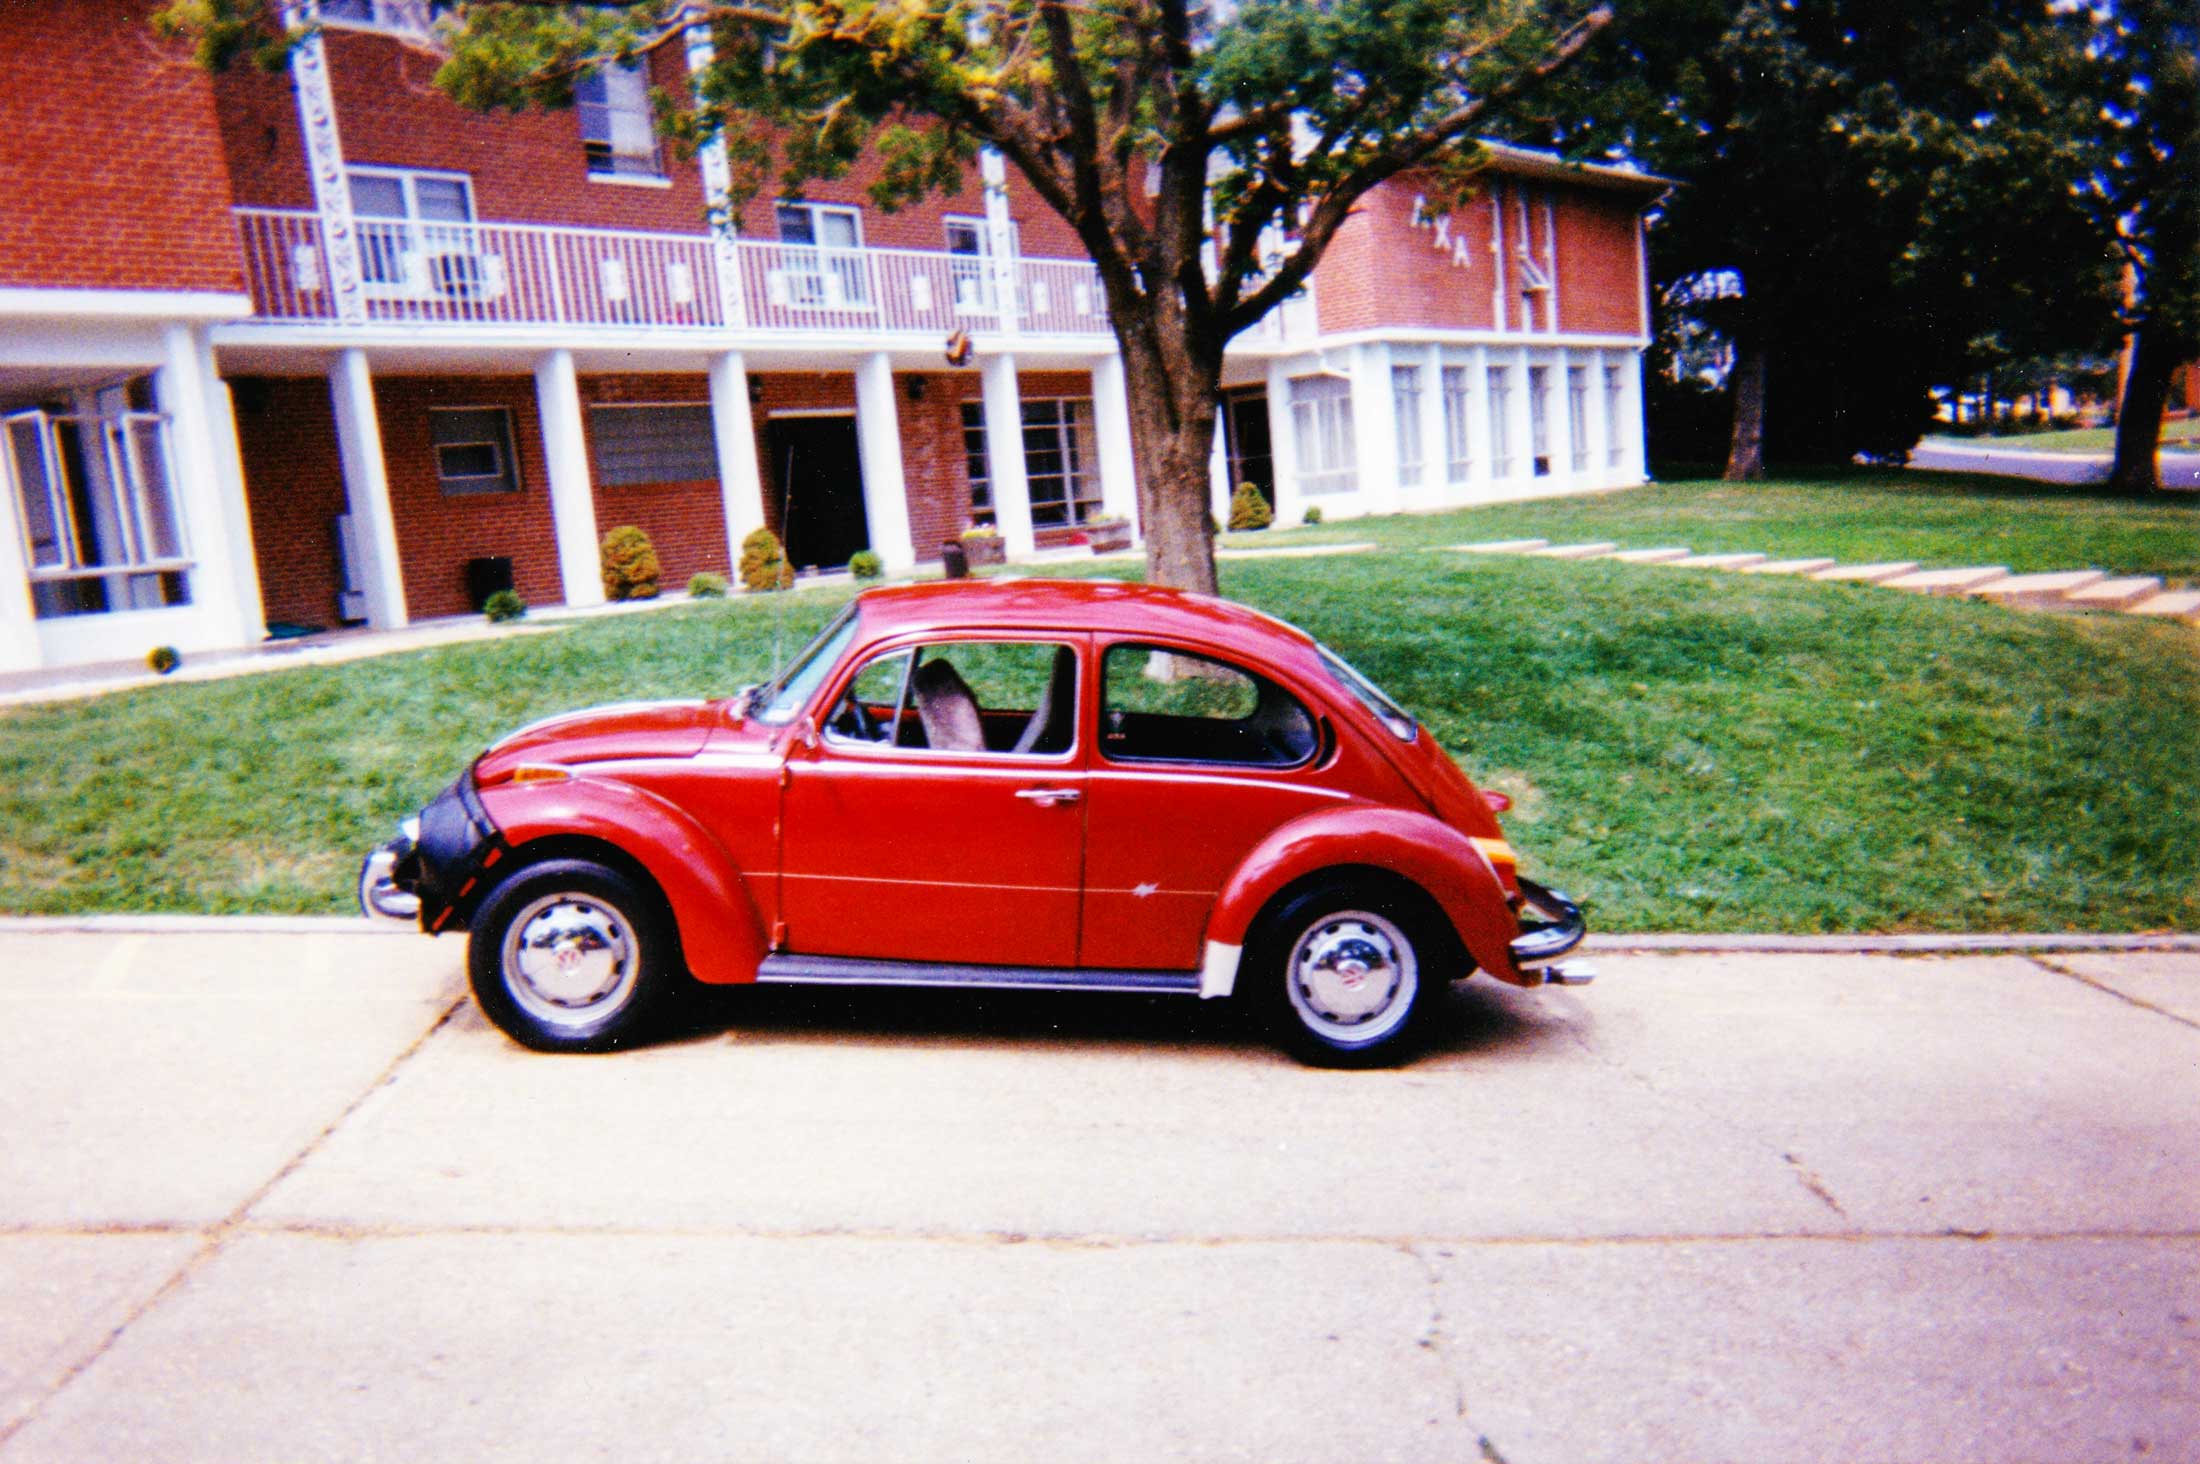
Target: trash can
x,y
954,561
487,575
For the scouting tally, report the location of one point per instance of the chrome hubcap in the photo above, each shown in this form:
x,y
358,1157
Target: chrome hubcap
x,y
1352,976
569,959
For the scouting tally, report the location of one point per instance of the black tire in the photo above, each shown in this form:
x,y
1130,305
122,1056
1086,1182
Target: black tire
x,y
1341,972
572,956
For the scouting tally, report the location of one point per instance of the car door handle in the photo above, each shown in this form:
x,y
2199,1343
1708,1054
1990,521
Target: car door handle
x,y
1049,797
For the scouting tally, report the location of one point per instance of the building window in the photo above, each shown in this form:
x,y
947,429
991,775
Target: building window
x,y
975,464
618,131
1501,399
825,267
1615,440
473,449
1577,415
1458,443
415,230
95,491
969,262
1321,425
1539,418
1405,405
653,444
401,17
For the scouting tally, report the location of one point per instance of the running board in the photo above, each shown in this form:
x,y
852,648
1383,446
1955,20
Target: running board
x,y
786,969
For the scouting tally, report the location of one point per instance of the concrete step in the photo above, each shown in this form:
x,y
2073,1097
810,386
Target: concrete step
x,y
1649,556
1948,581
1868,574
2117,594
1501,546
1721,561
2034,591
1575,551
2177,605
1788,566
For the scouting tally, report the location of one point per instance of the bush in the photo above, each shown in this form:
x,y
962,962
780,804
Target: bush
x,y
1313,516
504,605
164,659
865,565
630,568
764,564
1248,510
707,586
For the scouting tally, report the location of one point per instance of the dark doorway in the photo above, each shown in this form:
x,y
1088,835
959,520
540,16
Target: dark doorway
x,y
819,480
1245,426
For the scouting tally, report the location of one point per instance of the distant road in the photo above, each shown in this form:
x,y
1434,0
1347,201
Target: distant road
x,y
2179,469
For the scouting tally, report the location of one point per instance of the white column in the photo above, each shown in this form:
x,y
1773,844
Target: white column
x,y
572,495
1478,424
1219,486
236,511
1436,487
1601,469
1111,426
1561,408
1283,446
740,484
1000,233
367,489
1634,447
18,620
878,441
1523,423
1374,428
210,492
1004,454
717,170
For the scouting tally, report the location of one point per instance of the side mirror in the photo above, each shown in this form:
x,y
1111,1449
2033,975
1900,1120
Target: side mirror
x,y
806,730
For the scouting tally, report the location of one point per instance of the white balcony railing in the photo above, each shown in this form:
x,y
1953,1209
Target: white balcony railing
x,y
428,273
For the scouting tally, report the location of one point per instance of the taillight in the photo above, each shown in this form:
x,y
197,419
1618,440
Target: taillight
x,y
1497,802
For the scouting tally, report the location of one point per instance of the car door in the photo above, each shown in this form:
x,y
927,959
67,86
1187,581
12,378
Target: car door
x,y
1196,761
936,813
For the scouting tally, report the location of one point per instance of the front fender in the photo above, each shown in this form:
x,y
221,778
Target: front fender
x,y
1438,858
721,934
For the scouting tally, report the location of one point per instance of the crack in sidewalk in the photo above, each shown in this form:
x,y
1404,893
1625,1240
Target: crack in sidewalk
x,y
216,1236
1436,1341
2049,963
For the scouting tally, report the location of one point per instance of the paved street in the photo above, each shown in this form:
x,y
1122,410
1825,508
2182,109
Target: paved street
x,y
287,1197
2178,469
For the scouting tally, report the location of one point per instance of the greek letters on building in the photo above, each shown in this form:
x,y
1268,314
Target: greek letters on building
x,y
299,351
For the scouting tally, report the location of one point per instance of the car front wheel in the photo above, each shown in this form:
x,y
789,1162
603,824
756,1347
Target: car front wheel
x,y
1343,972
570,956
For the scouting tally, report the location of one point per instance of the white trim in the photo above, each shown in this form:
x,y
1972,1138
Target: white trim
x,y
185,305
777,412
631,180
1218,970
878,454
561,417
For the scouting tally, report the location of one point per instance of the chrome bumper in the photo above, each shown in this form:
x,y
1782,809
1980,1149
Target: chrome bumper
x,y
1551,925
381,896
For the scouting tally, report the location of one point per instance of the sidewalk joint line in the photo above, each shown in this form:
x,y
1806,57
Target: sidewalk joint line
x,y
2048,963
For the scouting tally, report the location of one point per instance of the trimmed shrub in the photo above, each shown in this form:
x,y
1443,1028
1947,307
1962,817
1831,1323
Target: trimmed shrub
x,y
1248,510
630,569
1313,516
504,605
865,565
764,564
164,659
707,586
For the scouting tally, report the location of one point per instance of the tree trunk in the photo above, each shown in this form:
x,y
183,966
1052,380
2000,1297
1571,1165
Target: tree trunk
x,y
1172,412
2154,360
1745,454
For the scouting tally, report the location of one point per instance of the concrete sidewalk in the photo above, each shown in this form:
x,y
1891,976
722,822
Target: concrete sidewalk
x,y
283,1195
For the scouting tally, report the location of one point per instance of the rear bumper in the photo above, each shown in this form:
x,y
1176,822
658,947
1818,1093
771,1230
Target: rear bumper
x,y
1550,926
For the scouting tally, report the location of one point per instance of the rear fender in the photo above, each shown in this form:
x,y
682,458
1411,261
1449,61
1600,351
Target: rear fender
x,y
721,934
1413,846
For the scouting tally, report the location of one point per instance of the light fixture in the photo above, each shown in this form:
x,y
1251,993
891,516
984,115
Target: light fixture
x,y
756,391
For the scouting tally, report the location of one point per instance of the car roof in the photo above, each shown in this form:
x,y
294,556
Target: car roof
x,y
1015,603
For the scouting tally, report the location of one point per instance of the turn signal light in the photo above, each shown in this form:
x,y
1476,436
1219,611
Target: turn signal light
x,y
539,773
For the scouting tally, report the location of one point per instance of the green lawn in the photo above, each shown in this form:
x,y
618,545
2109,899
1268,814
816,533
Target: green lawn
x,y
1935,519
2177,436
1687,750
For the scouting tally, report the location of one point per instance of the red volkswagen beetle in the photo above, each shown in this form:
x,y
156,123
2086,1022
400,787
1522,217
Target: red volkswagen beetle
x,y
1030,784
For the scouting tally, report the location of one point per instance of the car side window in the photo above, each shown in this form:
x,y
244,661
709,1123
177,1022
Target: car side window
x,y
1163,705
1014,697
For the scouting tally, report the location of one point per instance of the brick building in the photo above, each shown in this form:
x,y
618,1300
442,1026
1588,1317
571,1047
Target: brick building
x,y
318,348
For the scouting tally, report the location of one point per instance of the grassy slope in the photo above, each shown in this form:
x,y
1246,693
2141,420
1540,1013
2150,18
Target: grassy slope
x,y
1688,750
1936,520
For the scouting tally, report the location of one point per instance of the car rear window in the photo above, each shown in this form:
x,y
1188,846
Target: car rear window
x,y
1394,717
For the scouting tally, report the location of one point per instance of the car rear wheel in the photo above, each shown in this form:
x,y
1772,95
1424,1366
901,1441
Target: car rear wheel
x,y
1342,968
571,956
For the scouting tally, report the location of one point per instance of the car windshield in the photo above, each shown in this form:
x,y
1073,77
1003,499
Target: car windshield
x,y
1369,695
778,699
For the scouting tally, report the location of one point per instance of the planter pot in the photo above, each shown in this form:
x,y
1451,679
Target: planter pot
x,y
985,550
1107,538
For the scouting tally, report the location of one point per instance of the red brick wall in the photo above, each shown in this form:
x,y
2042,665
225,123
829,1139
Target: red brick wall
x,y
1600,278
294,486
110,158
686,522
260,139
1043,232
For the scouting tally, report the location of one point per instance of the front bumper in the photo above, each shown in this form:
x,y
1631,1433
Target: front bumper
x,y
1550,926
431,875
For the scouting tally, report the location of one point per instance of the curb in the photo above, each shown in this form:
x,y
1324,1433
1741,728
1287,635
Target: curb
x,y
1823,945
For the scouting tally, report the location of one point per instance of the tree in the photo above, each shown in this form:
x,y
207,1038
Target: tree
x,y
1204,157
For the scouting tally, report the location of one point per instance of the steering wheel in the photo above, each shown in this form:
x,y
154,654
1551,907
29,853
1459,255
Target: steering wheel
x,y
862,723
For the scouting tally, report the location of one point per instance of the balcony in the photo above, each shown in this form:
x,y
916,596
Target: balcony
x,y
430,274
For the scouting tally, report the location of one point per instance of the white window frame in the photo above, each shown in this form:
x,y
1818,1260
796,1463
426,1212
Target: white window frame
x,y
507,453
416,239
977,467
1500,394
1458,429
412,18
120,438
1539,420
1405,413
818,276
1080,473
1615,443
1577,415
649,166
1321,429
